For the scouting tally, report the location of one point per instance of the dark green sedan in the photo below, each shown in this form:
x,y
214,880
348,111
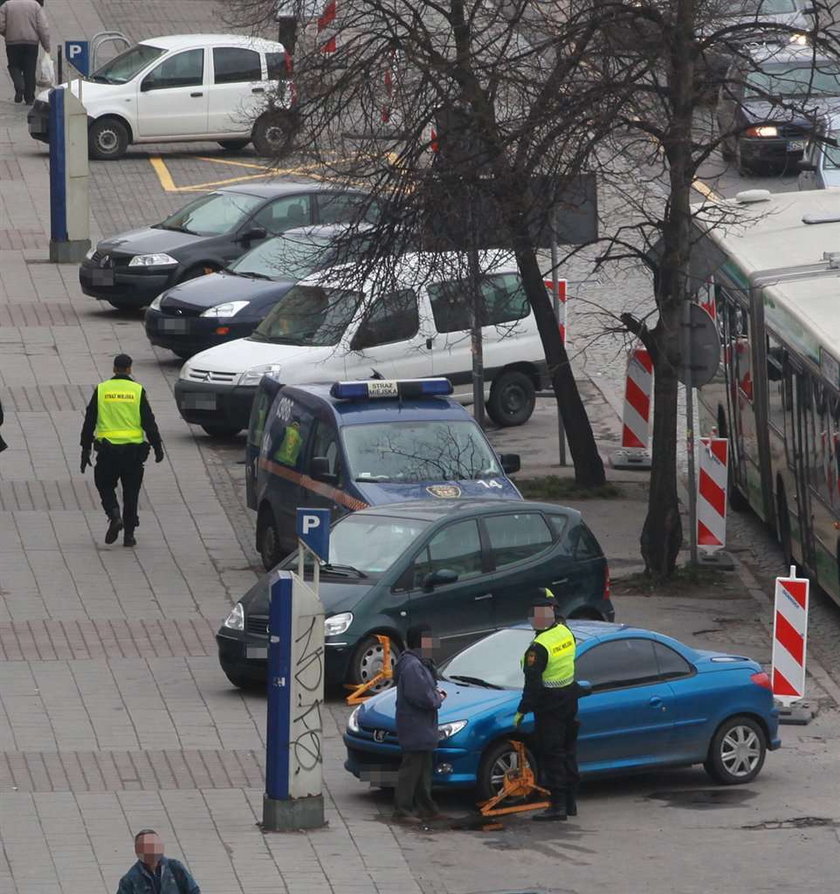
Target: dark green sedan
x,y
464,567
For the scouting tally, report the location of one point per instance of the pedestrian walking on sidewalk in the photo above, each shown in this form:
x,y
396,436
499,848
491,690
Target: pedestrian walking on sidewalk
x,y
551,692
120,425
418,700
23,23
3,444
153,872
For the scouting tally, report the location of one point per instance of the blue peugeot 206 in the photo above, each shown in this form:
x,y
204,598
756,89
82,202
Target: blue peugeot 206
x,y
354,444
652,702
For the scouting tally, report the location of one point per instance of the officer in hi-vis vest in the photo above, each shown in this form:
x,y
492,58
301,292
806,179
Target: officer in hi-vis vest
x,y
551,692
120,424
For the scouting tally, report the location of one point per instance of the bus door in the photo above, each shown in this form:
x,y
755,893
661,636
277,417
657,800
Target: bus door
x,y
733,322
801,428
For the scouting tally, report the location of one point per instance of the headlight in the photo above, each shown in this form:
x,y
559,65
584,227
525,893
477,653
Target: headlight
x,y
90,253
252,376
800,39
335,625
448,730
353,720
159,259
155,305
236,619
764,130
228,309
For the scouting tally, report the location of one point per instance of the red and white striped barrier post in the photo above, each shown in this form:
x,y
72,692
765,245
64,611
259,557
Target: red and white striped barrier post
x,y
711,494
327,30
790,637
559,298
635,427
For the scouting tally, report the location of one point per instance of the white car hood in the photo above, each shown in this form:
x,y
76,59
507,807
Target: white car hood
x,y
90,91
298,363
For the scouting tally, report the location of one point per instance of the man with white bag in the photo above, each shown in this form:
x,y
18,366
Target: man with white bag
x,y
24,25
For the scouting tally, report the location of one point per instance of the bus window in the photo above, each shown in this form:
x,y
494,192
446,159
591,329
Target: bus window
x,y
778,380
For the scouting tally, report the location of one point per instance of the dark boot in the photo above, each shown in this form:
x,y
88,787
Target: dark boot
x,y
128,537
571,800
555,813
17,82
115,525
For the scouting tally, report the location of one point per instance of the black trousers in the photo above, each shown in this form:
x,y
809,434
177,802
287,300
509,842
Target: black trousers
x,y
23,59
413,795
556,728
120,464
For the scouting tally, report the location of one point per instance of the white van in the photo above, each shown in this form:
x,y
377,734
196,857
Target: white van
x,y
322,331
183,87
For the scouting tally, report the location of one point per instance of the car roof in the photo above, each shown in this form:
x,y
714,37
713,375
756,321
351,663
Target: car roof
x,y
283,187
177,41
600,631
800,55
434,510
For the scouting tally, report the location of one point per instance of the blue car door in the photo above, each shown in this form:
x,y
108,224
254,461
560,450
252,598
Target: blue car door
x,y
628,719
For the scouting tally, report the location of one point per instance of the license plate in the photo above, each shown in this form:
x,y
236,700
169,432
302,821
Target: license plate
x,y
796,146
200,401
173,325
102,277
256,652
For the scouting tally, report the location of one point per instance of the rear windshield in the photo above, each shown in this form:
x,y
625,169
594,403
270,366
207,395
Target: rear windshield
x,y
782,79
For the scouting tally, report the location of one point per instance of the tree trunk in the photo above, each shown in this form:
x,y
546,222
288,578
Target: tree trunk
x,y
589,469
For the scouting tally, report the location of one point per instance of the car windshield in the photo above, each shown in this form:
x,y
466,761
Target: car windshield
x,y
419,451
786,80
127,65
309,315
368,544
496,659
213,214
291,256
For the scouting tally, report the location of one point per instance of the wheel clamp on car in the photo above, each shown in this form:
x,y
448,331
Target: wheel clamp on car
x,y
519,783
635,428
362,692
790,640
711,501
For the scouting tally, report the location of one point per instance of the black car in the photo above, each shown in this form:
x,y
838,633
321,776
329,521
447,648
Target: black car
x,y
465,567
209,310
771,103
132,269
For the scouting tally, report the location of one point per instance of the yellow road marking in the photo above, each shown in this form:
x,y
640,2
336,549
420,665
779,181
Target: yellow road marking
x,y
163,174
706,191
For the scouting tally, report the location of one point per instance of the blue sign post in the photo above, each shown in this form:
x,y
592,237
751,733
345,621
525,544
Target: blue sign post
x,y
77,53
279,687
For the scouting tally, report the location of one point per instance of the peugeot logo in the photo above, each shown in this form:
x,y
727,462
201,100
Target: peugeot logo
x,y
379,735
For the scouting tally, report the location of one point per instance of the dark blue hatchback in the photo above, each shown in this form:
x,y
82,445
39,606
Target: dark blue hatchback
x,y
655,702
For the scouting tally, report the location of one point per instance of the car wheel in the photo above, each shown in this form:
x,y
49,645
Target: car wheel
x,y
242,680
742,167
233,145
367,662
737,752
273,134
220,430
107,139
512,398
497,760
726,151
268,539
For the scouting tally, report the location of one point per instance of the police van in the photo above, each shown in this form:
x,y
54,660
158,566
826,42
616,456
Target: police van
x,y
354,444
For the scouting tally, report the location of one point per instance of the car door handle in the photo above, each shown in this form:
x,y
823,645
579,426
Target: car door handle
x,y
197,94
563,580
656,702
257,89
429,344
485,596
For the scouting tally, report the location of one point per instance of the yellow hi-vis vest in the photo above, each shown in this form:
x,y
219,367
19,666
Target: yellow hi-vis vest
x,y
118,412
287,452
559,642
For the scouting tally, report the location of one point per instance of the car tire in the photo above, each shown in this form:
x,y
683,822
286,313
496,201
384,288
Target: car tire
x,y
233,145
242,680
268,539
494,762
367,662
220,430
108,139
512,398
273,134
737,751
726,151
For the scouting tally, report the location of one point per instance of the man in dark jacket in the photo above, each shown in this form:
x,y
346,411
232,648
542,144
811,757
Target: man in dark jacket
x,y
418,700
153,872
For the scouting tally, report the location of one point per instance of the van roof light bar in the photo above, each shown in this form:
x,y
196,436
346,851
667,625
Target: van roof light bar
x,y
384,388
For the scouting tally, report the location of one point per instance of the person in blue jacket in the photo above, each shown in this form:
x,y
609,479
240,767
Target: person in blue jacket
x,y
418,700
153,873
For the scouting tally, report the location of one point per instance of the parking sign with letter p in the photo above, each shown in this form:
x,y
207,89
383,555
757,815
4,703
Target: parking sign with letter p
x,y
313,529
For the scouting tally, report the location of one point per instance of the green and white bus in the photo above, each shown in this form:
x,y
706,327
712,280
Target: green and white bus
x,y
771,275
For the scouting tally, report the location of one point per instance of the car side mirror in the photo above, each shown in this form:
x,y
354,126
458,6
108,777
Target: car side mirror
x,y
510,463
584,688
439,577
254,234
803,166
319,469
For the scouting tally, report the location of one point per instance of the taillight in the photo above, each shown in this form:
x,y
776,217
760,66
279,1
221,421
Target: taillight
x,y
762,679
607,583
433,143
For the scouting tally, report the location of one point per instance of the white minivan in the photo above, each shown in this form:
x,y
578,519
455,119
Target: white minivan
x,y
415,327
185,87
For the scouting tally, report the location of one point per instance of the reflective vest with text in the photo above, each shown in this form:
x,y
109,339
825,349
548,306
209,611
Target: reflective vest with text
x,y
559,642
118,412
